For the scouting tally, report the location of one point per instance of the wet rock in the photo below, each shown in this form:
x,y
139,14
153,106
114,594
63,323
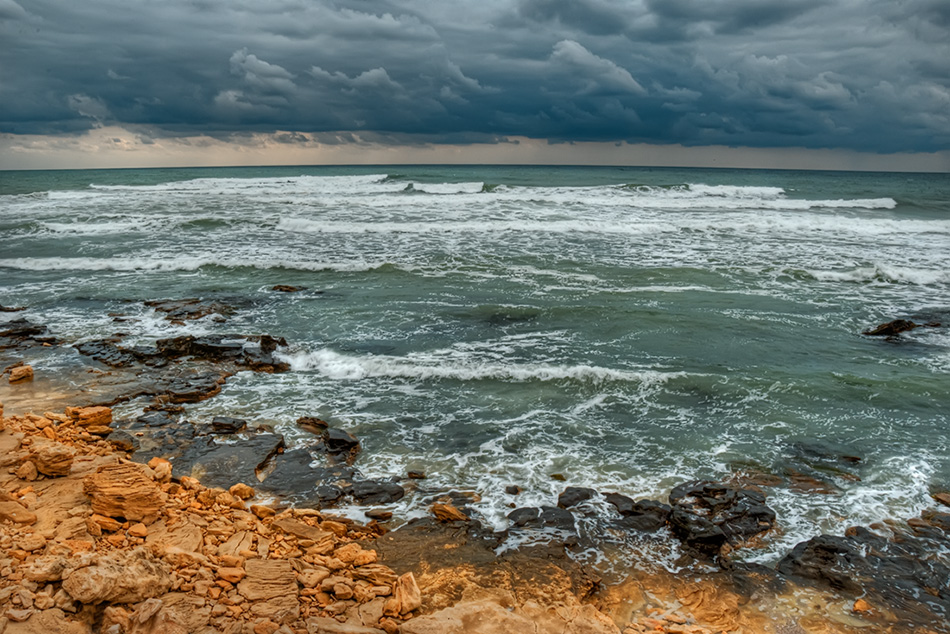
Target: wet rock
x,y
21,374
338,441
544,517
697,532
107,352
739,513
448,513
123,441
375,492
21,333
227,425
286,288
224,465
292,476
194,388
312,424
572,496
120,577
891,328
11,309
190,309
513,489
124,490
416,475
645,515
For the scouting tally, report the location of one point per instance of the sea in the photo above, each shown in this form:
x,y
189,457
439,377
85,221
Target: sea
x,y
625,329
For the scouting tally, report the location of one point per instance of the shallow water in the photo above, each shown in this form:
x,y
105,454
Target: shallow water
x,y
628,329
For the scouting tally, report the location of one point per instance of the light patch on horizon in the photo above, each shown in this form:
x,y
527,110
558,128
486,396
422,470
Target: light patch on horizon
x,y
115,147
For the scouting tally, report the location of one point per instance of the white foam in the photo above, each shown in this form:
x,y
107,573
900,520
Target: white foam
x,y
883,273
177,264
339,366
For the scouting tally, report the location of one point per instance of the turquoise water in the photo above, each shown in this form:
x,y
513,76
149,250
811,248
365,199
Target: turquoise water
x,y
626,328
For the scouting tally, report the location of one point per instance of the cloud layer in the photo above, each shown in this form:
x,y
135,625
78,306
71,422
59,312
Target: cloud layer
x,y
867,75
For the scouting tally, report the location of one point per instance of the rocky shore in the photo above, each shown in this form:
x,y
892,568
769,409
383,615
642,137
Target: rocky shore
x,y
158,524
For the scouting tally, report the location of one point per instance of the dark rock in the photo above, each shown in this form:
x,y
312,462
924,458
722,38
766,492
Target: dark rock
x,y
544,517
572,496
338,441
416,475
286,288
270,344
105,351
739,513
327,494
312,424
158,418
513,489
645,515
11,309
194,387
21,333
224,465
292,476
123,441
697,532
189,309
891,328
375,492
378,514
227,425
558,477
261,361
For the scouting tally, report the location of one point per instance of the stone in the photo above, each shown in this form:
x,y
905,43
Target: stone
x,y
301,529
107,352
272,585
448,513
105,523
124,490
407,593
943,498
14,512
572,496
241,491
231,575
338,441
27,471
85,416
138,530
513,489
645,515
53,459
739,513
312,424
891,328
375,492
861,607
544,517
326,625
123,441
224,465
286,288
227,425
697,532
119,577
21,374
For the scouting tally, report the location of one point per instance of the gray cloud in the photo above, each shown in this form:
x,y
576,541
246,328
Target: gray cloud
x,y
870,75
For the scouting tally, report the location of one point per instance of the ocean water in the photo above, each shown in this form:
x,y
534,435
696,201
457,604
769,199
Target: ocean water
x,y
627,329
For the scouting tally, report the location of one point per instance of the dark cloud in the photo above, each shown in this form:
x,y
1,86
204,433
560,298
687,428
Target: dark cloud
x,y
866,74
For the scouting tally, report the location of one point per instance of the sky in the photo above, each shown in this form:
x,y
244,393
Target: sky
x,y
827,84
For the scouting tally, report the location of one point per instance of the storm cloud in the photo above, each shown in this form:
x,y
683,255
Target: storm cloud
x,y
867,75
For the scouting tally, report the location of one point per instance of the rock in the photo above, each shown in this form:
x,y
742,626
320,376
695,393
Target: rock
x,y
572,496
21,374
27,471
943,498
138,530
190,309
513,489
301,529
488,616
697,532
21,333
891,328
378,514
448,513
740,513
119,577
416,475
224,465
124,490
272,585
85,416
231,575
374,492
123,441
546,516
312,424
53,459
293,477
14,512
861,607
227,425
408,593
325,625
645,515
241,491
11,309
105,351
285,288
338,441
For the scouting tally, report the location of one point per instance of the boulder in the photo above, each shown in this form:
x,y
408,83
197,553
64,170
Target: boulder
x,y
119,577
338,441
572,496
21,374
86,416
448,513
739,513
891,328
124,490
375,492
224,465
16,513
645,515
271,585
107,352
544,517
53,459
227,425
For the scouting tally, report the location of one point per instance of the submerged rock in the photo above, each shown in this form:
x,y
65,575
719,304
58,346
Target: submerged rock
x,y
891,328
645,515
224,465
543,517
572,496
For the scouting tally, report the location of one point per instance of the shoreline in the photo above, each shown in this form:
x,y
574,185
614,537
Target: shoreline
x,y
461,571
